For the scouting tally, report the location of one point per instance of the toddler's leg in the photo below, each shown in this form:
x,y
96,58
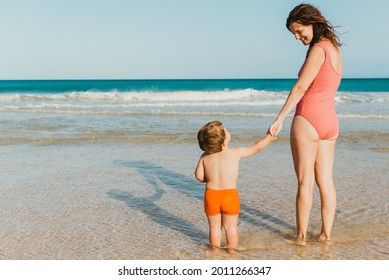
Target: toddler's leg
x,y
230,224
215,231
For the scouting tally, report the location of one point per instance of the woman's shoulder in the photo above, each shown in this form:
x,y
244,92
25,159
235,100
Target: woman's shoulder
x,y
320,46
325,44
318,50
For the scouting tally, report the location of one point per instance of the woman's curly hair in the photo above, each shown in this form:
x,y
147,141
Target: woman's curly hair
x,y
307,14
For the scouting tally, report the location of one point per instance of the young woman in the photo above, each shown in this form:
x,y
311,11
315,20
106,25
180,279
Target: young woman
x,y
315,124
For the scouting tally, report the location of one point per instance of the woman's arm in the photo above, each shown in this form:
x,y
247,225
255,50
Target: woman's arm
x,y
315,60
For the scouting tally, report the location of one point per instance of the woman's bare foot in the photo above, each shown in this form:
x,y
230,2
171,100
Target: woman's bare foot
x,y
300,240
324,239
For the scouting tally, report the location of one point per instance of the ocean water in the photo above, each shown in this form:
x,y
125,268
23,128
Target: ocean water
x,y
103,169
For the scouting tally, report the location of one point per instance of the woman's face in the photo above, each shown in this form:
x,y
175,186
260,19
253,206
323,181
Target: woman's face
x,y
304,33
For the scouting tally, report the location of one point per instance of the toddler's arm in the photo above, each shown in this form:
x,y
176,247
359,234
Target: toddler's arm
x,y
199,172
256,148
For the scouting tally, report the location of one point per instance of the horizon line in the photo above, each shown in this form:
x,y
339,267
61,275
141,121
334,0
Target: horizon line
x,y
169,79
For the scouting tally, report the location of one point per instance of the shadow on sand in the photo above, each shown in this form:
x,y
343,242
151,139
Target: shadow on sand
x,y
190,187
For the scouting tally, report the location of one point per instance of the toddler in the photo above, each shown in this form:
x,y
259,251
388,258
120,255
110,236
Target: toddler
x,y
218,168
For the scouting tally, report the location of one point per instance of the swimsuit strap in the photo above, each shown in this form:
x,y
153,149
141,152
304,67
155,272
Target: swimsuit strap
x,y
328,59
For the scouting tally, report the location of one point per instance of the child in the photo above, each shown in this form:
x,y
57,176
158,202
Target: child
x,y
218,168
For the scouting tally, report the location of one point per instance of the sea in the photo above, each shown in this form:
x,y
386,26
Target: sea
x,y
103,169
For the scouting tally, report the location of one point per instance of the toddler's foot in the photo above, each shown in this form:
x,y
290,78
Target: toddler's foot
x,y
231,251
300,242
214,249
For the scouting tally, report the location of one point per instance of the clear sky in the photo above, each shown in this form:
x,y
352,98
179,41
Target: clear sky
x,y
163,39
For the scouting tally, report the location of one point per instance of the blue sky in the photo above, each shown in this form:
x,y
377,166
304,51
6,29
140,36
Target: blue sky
x,y
152,39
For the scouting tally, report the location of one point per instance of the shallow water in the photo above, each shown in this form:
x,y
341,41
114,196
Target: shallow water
x,y
126,200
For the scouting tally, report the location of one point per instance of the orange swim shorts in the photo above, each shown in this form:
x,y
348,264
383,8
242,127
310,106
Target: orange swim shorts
x,y
221,201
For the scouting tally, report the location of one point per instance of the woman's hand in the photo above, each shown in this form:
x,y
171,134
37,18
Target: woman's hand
x,y
275,128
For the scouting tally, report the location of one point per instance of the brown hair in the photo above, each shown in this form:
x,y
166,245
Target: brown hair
x,y
307,14
211,137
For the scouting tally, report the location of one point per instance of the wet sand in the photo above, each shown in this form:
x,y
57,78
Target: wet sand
x,y
131,200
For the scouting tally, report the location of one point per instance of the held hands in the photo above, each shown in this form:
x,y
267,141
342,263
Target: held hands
x,y
272,138
275,128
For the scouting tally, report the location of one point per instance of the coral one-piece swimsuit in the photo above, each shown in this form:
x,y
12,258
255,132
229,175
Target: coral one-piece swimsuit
x,y
317,105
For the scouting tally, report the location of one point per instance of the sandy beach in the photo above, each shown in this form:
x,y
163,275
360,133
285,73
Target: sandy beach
x,y
126,200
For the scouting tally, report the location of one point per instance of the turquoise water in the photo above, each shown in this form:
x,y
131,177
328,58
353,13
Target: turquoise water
x,y
113,109
63,86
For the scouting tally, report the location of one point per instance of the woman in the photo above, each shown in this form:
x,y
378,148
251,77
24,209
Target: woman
x,y
315,124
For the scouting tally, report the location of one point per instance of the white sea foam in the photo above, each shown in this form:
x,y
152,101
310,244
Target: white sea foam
x,y
363,116
362,97
189,96
169,109
149,96
242,103
140,105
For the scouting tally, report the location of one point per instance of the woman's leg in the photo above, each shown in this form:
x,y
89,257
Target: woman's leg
x,y
215,231
230,224
304,144
324,180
